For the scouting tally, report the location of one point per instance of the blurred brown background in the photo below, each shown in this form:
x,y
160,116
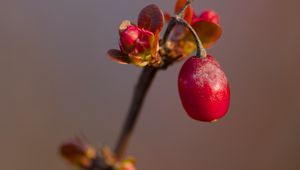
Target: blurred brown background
x,y
56,82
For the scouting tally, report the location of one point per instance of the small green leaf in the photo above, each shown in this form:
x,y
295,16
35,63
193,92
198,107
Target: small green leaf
x,y
151,18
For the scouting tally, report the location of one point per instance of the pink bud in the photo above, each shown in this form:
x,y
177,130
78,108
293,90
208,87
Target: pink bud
x,y
135,40
138,44
128,38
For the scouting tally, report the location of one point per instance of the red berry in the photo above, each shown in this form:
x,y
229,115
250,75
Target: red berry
x,y
203,89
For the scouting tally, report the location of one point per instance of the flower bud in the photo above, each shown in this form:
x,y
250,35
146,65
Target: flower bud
x,y
128,38
138,44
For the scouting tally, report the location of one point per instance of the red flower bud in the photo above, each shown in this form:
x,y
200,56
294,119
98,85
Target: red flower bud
x,y
128,38
136,40
137,43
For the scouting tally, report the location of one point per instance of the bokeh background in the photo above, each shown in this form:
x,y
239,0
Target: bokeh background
x,y
57,82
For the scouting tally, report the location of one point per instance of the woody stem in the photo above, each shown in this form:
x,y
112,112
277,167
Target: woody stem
x,y
141,89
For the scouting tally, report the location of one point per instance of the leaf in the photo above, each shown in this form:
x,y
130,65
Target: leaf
x,y
118,56
151,18
179,4
208,32
188,13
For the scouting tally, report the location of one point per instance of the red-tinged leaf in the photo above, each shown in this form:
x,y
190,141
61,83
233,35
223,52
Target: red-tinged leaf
x,y
179,4
208,32
188,13
151,18
118,56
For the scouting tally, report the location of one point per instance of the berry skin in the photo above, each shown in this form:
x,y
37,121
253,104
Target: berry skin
x,y
203,89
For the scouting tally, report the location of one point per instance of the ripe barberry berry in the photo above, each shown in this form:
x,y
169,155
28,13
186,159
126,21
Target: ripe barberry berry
x,y
204,89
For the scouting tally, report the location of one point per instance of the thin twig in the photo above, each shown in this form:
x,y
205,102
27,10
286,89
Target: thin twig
x,y
140,92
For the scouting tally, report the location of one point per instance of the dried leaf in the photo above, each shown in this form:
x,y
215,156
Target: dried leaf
x,y
151,18
118,56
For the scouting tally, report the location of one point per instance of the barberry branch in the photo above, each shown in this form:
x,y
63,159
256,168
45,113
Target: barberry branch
x,y
141,89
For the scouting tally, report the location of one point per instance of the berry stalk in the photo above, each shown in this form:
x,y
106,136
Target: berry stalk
x,y
178,19
201,52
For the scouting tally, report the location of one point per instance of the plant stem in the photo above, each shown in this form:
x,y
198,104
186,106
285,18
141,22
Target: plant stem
x,y
201,52
140,92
